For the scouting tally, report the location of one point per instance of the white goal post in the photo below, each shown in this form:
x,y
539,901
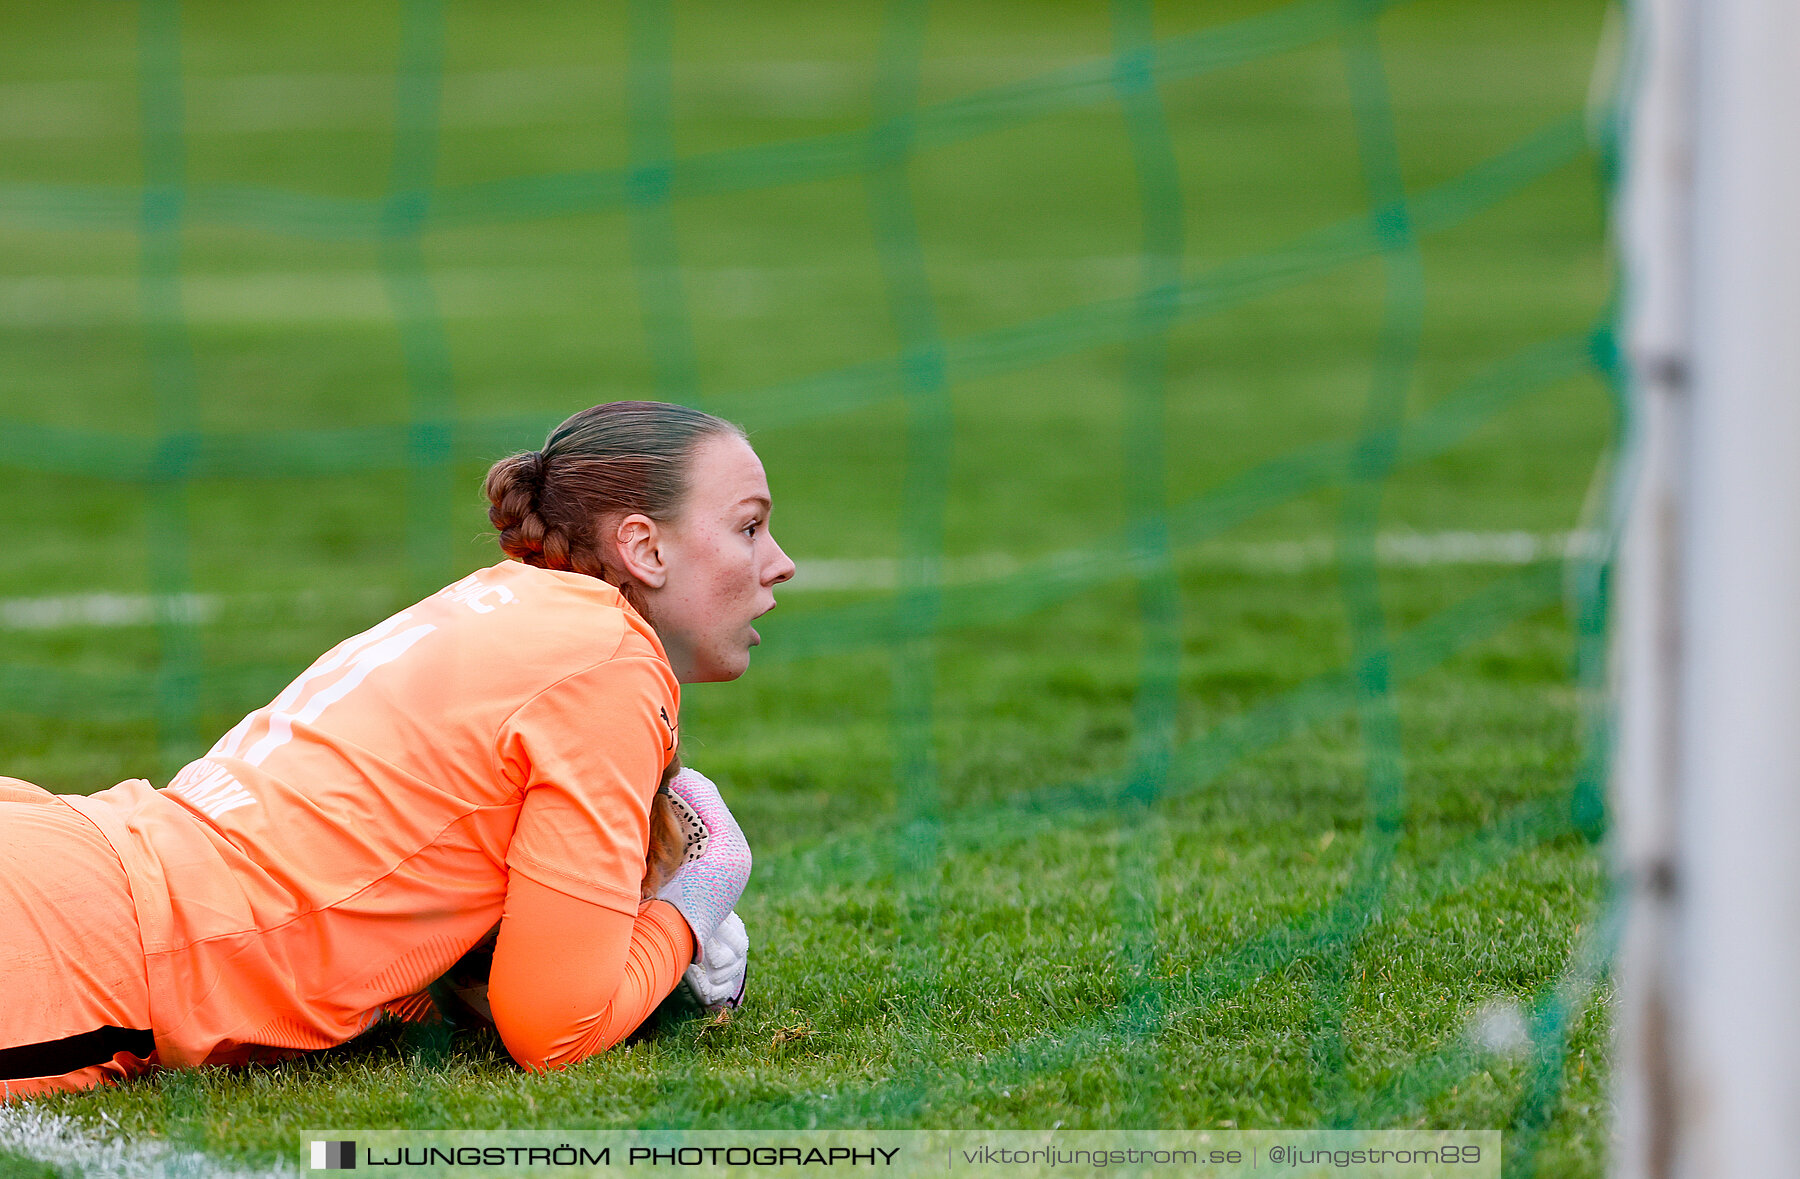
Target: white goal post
x,y
1706,773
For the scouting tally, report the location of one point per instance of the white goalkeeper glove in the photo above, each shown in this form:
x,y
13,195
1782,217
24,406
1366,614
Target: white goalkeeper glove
x,y
716,979
706,888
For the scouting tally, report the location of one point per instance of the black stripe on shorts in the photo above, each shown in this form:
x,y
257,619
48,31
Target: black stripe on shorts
x,y
53,1058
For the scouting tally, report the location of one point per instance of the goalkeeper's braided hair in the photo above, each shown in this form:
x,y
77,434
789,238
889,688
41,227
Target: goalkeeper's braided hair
x,y
668,842
553,506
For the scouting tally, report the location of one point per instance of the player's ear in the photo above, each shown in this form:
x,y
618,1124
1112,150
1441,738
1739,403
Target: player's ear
x,y
640,552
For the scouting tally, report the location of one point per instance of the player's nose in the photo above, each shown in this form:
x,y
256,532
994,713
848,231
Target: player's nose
x,y
780,569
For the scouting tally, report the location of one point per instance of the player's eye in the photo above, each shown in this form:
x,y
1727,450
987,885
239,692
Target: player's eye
x,y
751,528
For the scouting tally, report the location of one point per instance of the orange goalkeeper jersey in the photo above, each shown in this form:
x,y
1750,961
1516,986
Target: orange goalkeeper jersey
x,y
343,846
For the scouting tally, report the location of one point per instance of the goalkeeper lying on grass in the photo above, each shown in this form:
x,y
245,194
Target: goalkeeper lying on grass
x,y
502,754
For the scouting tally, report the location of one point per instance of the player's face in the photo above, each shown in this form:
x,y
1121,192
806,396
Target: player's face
x,y
723,564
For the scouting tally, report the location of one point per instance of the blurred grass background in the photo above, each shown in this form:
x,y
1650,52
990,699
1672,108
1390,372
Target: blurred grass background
x,y
1004,983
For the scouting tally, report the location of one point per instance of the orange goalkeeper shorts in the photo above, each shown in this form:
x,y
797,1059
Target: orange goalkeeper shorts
x,y
74,998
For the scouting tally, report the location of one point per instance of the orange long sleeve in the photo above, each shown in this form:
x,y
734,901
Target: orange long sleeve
x,y
571,978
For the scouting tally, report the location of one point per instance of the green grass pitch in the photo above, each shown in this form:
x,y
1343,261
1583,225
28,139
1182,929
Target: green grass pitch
x,y
960,921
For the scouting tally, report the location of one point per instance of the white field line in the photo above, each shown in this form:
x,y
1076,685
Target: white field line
x,y
108,611
502,292
85,108
103,611
1392,549
63,1142
241,104
77,611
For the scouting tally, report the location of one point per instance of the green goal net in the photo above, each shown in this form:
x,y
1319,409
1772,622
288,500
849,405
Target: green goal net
x,y
1191,424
